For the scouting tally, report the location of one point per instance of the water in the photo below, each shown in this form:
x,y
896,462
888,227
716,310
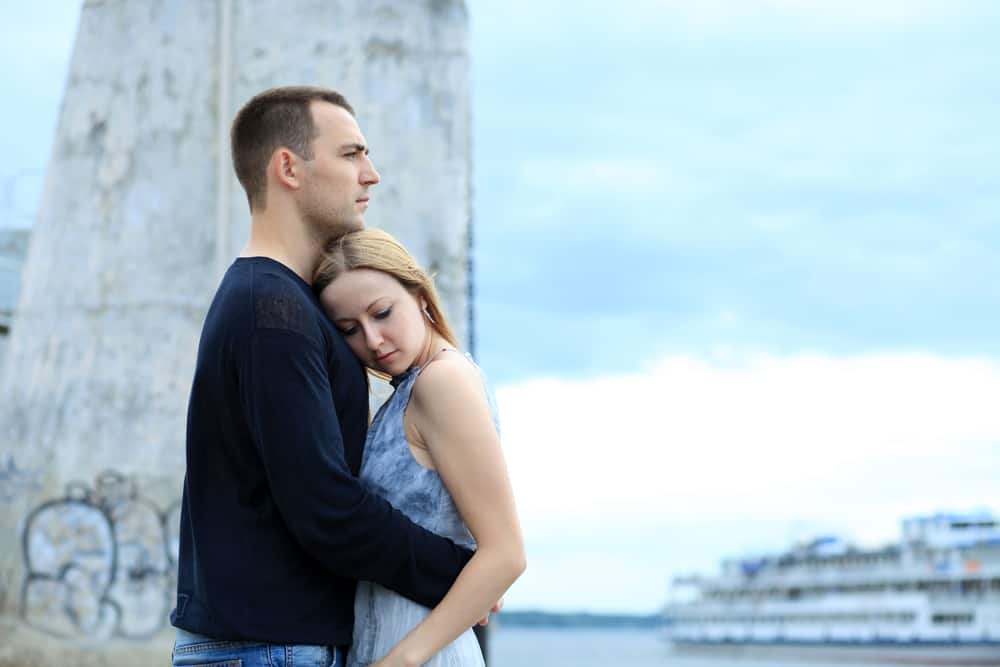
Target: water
x,y
544,647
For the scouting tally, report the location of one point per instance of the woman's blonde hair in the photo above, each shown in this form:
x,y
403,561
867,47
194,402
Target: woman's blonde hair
x,y
379,251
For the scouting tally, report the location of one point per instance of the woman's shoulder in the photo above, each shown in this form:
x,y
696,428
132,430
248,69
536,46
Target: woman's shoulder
x,y
450,397
450,376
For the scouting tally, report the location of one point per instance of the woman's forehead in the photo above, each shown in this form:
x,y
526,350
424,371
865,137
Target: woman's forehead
x,y
360,289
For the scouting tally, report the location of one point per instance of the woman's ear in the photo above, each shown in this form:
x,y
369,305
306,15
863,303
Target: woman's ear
x,y
418,296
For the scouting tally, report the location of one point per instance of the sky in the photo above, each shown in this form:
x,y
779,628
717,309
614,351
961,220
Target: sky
x,y
736,264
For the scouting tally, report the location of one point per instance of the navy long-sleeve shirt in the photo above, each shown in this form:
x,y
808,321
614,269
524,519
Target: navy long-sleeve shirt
x,y
275,526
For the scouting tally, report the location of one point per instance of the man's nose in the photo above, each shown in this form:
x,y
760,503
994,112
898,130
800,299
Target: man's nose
x,y
369,176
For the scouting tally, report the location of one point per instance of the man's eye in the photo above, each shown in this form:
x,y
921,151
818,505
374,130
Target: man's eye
x,y
381,315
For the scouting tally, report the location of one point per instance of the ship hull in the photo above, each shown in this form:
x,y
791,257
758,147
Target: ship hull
x,y
904,653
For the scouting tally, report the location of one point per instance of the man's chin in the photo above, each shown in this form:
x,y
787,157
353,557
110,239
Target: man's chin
x,y
334,232
354,225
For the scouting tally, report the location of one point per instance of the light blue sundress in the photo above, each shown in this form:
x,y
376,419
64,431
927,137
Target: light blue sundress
x,y
381,617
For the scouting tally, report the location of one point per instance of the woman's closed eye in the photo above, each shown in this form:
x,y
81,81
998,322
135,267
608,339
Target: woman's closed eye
x,y
354,328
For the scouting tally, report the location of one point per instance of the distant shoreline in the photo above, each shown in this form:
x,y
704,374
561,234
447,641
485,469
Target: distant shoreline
x,y
545,619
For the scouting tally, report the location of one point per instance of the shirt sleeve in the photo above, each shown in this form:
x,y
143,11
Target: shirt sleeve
x,y
355,533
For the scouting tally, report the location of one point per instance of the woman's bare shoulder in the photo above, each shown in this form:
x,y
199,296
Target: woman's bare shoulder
x,y
450,377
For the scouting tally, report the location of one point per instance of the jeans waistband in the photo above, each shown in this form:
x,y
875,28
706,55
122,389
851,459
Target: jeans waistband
x,y
188,638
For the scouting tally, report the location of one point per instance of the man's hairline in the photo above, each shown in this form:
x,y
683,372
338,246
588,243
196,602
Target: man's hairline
x,y
354,143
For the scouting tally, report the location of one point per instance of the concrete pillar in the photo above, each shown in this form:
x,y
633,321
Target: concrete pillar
x,y
13,246
139,217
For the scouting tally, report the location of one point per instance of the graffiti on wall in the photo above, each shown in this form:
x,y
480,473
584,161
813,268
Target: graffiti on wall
x,y
101,562
15,480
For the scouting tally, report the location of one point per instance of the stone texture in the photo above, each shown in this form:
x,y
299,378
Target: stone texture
x,y
124,257
13,247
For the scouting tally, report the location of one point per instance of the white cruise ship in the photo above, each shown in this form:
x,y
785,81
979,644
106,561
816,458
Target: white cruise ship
x,y
933,598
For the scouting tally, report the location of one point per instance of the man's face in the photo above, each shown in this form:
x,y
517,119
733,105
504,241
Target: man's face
x,y
334,195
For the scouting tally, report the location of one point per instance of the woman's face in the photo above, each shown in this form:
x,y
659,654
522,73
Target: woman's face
x,y
380,319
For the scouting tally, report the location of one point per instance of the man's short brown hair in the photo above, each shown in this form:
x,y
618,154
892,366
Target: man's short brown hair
x,y
274,118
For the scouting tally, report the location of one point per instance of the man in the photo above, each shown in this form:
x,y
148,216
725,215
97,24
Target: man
x,y
275,527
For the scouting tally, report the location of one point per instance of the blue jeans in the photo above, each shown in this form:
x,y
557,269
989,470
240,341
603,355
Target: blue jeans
x,y
191,650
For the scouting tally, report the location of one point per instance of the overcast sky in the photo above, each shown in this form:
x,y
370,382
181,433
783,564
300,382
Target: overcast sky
x,y
737,265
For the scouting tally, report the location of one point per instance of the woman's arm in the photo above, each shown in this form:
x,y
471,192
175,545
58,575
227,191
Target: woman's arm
x,y
449,410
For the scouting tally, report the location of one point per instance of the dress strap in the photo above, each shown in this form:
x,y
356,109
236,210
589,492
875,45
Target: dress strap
x,y
436,354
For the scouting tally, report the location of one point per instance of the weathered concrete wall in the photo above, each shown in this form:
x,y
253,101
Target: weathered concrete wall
x,y
13,247
134,230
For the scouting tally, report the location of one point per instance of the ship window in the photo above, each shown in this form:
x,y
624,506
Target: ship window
x,y
952,619
974,524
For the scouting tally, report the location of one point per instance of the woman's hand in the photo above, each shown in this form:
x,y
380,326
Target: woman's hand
x,y
497,607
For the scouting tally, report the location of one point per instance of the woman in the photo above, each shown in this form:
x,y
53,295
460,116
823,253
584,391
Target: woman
x,y
433,450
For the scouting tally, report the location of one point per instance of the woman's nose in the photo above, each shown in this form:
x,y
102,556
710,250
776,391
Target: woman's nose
x,y
372,338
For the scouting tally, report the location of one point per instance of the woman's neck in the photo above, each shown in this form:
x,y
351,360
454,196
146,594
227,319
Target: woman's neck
x,y
435,343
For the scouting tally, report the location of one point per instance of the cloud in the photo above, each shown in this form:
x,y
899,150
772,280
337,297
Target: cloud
x,y
857,12
830,435
694,459
622,175
645,23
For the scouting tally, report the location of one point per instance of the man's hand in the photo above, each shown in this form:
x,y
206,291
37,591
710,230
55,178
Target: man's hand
x,y
497,607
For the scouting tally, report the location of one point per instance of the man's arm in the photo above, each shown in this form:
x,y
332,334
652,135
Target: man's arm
x,y
357,534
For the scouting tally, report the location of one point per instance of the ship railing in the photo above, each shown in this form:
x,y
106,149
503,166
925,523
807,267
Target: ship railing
x,y
920,572
918,588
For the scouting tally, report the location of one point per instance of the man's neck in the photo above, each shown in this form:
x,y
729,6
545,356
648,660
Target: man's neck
x,y
283,240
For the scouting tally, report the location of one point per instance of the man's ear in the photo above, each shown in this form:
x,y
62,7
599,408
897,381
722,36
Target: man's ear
x,y
286,168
